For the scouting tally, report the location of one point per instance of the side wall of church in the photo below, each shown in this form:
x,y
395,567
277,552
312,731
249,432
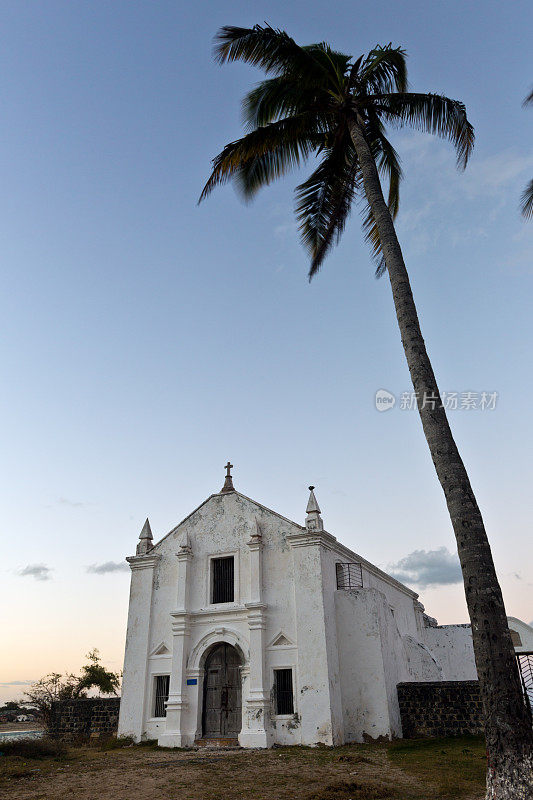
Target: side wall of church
x,y
132,705
452,647
360,617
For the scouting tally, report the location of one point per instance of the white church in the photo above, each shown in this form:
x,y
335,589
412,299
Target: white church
x,y
245,627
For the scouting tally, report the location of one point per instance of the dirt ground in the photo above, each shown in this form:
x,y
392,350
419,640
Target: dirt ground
x,y
446,769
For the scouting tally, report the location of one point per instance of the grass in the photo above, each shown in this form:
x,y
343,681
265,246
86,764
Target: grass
x,y
18,757
443,769
353,790
456,765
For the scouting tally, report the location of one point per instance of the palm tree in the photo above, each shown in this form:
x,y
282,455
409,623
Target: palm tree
x,y
526,201
317,101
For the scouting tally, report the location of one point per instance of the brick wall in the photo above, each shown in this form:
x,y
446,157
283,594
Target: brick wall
x,y
87,717
440,708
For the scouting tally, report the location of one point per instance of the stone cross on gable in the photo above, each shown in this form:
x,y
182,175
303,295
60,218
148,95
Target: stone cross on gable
x,y
228,483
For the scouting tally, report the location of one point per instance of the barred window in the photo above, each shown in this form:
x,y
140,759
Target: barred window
x,y
349,576
162,685
284,694
223,579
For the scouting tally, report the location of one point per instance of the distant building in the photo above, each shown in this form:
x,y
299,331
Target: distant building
x,y
244,626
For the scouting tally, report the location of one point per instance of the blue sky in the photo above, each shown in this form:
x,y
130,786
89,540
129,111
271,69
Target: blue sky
x,y
145,340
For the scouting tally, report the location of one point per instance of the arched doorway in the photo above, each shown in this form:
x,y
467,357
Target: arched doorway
x,y
222,709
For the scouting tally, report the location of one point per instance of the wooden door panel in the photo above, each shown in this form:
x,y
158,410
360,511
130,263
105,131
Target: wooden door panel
x,y
222,693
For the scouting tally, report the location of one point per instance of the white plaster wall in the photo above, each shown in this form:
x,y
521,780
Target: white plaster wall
x,y
401,601
399,597
318,700
132,711
526,634
451,646
421,663
360,617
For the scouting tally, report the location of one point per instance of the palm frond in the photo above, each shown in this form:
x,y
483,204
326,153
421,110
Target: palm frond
x,y
529,99
384,70
262,46
354,70
330,66
371,234
264,154
386,158
526,201
324,200
280,97
388,164
431,113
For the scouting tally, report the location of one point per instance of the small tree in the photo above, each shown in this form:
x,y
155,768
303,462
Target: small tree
x,y
95,675
48,689
55,686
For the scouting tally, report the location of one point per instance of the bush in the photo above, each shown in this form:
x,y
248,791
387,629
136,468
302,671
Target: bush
x,y
33,748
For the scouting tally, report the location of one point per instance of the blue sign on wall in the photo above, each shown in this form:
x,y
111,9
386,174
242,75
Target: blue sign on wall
x,y
191,681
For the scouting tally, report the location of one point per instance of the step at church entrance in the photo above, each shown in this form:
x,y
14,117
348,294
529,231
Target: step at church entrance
x,y
222,711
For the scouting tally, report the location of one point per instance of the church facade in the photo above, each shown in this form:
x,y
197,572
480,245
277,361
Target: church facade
x,y
246,627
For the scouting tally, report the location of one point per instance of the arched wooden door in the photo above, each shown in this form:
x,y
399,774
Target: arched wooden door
x,y
222,713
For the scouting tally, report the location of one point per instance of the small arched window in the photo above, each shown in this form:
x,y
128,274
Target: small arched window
x,y
515,638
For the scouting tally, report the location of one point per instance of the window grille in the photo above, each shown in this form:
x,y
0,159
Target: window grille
x,y
162,685
525,665
349,576
284,695
223,580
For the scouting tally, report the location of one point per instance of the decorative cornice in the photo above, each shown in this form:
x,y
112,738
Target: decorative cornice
x,y
256,616
180,615
220,613
176,702
255,543
257,698
312,538
143,562
180,625
185,553
194,673
256,539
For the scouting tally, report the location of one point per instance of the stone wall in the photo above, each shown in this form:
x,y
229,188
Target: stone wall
x,y
85,718
440,708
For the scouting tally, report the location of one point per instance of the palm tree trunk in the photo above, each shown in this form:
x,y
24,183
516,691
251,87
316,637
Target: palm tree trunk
x,y
508,726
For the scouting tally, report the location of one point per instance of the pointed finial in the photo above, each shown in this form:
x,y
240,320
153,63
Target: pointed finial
x,y
228,482
145,539
313,520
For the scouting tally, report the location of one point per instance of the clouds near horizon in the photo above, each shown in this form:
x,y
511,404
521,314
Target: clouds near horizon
x,y
107,567
38,571
428,568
